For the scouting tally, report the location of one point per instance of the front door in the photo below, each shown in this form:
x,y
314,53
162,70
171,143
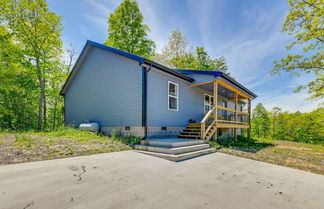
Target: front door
x,y
208,103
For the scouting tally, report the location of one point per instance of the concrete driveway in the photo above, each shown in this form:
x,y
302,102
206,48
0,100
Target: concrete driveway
x,y
132,180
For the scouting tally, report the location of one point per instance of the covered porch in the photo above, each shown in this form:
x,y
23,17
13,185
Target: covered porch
x,y
229,108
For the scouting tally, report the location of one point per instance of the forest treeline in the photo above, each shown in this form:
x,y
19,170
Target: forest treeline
x,y
34,66
282,125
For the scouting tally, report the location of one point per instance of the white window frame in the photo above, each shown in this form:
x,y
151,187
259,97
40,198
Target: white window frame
x,y
176,97
211,105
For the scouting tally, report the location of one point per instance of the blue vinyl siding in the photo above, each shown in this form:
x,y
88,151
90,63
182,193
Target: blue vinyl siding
x,y
106,89
191,101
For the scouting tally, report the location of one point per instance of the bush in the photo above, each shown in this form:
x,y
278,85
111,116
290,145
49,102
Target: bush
x,y
242,142
226,141
129,140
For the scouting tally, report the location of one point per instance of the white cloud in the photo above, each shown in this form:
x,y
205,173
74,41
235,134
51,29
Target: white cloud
x,y
100,9
156,23
203,13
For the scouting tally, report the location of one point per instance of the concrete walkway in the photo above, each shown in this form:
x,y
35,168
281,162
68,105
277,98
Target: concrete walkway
x,y
133,180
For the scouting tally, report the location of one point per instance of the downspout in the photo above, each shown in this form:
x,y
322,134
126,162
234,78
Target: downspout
x,y
64,110
144,100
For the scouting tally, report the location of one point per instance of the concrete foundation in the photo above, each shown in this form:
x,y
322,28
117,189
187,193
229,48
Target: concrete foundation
x,y
139,131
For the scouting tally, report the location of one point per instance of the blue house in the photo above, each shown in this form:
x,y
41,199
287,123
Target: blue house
x,y
136,96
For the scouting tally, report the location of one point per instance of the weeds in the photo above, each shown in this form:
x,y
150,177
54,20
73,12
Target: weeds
x,y
129,140
242,143
24,140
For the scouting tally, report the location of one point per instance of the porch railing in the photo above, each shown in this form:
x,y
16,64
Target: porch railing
x,y
212,118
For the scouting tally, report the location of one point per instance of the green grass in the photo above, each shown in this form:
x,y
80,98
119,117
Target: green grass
x,y
70,133
308,157
24,140
66,142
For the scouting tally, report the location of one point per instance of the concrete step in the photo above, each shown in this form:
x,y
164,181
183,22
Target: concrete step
x,y
171,142
179,157
172,150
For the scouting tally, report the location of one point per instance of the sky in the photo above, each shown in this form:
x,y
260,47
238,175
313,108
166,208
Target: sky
x,y
247,33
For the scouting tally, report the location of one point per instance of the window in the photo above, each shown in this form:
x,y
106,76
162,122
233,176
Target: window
x,y
173,96
208,103
224,112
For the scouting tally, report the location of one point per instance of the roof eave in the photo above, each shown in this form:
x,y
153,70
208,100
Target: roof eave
x,y
239,85
168,70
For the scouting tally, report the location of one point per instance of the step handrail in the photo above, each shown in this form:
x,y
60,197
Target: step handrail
x,y
208,115
205,131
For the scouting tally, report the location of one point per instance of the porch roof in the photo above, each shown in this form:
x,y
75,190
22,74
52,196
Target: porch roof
x,y
218,74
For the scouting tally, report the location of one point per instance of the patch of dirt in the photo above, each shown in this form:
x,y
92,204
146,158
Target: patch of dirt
x,y
35,148
293,148
7,138
295,155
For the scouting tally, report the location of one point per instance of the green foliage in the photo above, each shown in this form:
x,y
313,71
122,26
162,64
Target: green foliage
x,y
177,55
306,23
113,134
126,30
260,121
298,127
242,142
32,69
214,143
24,141
69,132
129,140
205,62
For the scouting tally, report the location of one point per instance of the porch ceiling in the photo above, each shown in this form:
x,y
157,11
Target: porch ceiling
x,y
222,91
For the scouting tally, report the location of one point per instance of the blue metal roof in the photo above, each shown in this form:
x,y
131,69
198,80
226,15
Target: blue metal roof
x,y
117,51
139,59
181,73
216,74
202,72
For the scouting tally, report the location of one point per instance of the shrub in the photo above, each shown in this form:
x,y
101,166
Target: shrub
x,y
129,140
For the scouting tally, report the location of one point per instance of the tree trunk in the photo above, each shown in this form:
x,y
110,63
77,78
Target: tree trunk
x,y
54,114
45,110
41,96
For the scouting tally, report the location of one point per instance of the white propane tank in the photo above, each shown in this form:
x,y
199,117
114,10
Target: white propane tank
x,y
92,126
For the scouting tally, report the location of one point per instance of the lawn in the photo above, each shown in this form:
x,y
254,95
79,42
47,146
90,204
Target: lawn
x,y
67,142
308,157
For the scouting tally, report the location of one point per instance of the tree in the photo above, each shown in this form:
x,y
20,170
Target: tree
x,y
207,63
37,31
260,121
127,32
305,21
278,122
176,54
17,87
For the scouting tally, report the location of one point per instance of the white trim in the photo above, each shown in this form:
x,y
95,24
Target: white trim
x,y
210,96
176,97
